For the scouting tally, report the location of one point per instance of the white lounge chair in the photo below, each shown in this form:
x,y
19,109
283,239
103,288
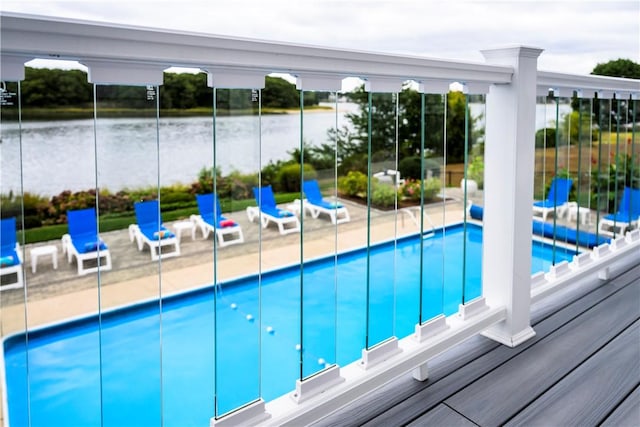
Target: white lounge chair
x,y
316,205
10,257
84,243
150,231
557,199
628,214
267,211
227,231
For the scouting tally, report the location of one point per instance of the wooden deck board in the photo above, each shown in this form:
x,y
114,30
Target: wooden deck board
x,y
502,393
585,396
405,400
441,415
627,413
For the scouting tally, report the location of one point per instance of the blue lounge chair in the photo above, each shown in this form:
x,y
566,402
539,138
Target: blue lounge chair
x,y
150,230
267,211
227,231
316,205
10,258
556,201
84,243
627,216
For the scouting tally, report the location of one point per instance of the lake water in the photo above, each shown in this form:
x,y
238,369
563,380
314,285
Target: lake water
x,y
59,155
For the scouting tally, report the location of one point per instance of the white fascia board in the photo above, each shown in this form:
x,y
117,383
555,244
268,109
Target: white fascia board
x,y
124,73
589,82
382,85
434,87
235,79
320,82
46,37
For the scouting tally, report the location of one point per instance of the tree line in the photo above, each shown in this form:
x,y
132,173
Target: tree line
x,y
55,88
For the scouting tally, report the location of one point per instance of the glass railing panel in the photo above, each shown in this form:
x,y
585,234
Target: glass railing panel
x,y
474,108
602,182
131,221
381,207
186,156
579,214
438,181
351,139
409,227
634,157
323,216
244,332
13,283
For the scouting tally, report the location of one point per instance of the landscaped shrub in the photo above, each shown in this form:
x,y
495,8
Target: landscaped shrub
x,y
550,138
410,167
269,173
432,186
288,177
410,190
35,208
238,186
176,194
353,185
476,171
204,184
383,195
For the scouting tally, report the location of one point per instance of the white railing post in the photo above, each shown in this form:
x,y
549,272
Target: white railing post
x,y
508,193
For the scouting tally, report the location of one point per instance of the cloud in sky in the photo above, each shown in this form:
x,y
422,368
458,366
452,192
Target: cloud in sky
x,y
575,34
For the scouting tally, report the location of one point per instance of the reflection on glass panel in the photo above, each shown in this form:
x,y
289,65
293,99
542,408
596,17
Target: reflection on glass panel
x,y
322,212
13,315
127,157
382,202
244,349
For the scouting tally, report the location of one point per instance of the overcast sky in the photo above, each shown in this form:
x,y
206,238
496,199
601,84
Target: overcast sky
x,y
575,34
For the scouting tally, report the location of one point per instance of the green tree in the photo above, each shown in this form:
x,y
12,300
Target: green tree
x,y
48,88
279,93
409,124
618,68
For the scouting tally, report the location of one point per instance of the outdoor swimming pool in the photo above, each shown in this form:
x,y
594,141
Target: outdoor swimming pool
x,y
154,364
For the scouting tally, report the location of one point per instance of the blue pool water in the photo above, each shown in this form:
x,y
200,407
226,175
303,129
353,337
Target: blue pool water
x,y
153,364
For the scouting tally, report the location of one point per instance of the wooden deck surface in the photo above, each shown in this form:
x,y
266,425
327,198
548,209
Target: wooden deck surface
x,y
581,369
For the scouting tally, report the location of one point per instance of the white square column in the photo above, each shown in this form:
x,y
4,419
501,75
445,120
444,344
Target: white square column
x,y
508,193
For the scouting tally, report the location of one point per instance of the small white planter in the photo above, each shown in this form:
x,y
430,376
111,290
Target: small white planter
x,y
471,186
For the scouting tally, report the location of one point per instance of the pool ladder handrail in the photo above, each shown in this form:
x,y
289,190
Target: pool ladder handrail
x,y
409,212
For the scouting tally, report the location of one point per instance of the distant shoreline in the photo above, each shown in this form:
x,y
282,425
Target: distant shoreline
x,y
75,113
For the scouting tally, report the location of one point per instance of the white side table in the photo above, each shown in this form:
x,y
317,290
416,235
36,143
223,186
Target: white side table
x,y
43,251
573,210
182,226
294,207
